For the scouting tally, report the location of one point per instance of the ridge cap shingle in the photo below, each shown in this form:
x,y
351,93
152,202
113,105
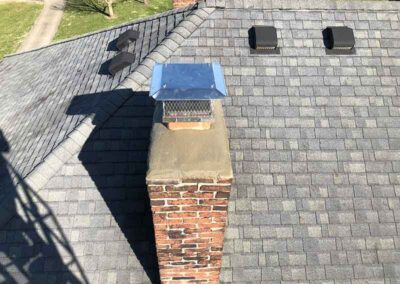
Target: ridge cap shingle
x,y
305,4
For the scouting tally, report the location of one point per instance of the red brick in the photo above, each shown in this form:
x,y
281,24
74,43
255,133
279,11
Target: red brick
x,y
182,226
164,195
189,223
182,214
212,214
164,208
213,202
156,188
222,195
219,188
198,195
196,208
173,221
187,188
224,181
157,202
182,202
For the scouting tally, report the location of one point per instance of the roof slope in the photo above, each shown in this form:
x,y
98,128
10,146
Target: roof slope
x,y
37,87
315,142
314,139
82,215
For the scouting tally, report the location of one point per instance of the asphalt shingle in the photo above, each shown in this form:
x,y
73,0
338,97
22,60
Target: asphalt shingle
x,y
314,146
38,86
310,138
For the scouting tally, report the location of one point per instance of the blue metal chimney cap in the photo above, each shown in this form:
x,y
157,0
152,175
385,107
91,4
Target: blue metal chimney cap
x,y
178,82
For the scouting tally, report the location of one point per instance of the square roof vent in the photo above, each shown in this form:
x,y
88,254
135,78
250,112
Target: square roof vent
x,y
120,61
187,92
339,40
263,40
126,38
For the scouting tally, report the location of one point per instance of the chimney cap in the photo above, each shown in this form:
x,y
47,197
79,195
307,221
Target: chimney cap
x,y
176,82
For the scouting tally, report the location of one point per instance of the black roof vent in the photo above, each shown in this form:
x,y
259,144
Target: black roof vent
x,y
339,40
263,40
126,38
121,61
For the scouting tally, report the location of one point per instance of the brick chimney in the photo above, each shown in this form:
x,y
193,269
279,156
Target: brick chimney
x,y
189,182
183,3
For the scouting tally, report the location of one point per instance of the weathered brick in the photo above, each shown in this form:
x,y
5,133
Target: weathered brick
x,y
189,223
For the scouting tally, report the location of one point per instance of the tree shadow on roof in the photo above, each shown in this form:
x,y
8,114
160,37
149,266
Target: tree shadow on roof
x,y
31,238
115,156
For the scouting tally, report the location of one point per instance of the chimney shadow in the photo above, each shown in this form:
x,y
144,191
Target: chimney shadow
x,y
115,156
31,236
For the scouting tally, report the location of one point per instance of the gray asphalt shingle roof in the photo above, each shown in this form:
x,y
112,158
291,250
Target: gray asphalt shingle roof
x,y
315,143
37,87
315,147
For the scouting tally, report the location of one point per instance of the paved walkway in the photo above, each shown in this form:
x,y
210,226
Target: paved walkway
x,y
45,26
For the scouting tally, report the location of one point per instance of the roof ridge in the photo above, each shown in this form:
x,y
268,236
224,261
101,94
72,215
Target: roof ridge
x,y
44,171
137,21
306,5
166,48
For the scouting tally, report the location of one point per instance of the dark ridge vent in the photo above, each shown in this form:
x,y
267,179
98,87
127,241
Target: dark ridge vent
x,y
339,40
121,61
126,38
263,40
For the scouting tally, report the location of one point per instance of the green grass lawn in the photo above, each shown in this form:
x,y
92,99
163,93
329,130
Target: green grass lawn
x,y
16,19
79,22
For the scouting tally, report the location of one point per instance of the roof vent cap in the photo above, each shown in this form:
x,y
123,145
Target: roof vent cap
x,y
339,40
126,38
263,40
120,61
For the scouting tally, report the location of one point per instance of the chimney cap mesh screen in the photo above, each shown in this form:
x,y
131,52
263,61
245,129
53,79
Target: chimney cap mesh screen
x,y
187,111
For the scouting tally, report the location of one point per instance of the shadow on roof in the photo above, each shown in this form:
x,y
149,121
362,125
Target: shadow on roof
x,y
103,70
55,74
112,45
325,38
31,238
115,156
